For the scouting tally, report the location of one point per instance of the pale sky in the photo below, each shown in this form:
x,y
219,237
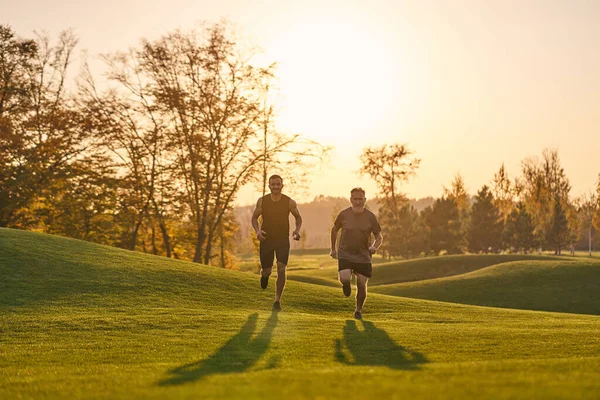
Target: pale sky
x,y
466,84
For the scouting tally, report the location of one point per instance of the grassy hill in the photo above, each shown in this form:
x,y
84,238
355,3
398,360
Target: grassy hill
x,y
324,271
79,320
550,285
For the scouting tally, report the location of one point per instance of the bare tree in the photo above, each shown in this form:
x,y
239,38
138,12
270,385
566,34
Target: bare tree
x,y
130,126
389,166
41,129
298,156
212,99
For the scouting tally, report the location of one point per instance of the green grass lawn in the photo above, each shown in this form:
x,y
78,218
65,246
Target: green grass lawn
x,y
418,269
581,253
550,285
79,320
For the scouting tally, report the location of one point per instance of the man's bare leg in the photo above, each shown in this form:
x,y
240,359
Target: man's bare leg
x,y
266,272
264,276
281,278
361,294
345,278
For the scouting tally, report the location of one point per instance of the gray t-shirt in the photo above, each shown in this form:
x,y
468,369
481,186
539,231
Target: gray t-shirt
x,y
356,235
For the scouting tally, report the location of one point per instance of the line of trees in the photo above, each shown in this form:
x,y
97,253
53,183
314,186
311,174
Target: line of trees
x,y
532,212
153,159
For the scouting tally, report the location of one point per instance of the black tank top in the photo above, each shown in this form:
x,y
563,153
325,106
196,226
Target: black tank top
x,y
275,215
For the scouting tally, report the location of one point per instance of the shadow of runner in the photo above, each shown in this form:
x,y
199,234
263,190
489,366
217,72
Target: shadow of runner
x,y
373,346
237,355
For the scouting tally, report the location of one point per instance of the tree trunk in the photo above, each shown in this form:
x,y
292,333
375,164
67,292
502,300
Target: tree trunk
x,y
134,234
222,249
166,238
154,248
163,229
202,221
199,243
208,252
590,240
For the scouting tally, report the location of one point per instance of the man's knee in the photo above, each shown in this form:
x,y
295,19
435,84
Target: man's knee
x,y
281,267
345,276
361,282
266,271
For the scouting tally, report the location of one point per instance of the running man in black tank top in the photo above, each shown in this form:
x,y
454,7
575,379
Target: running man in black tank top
x,y
274,233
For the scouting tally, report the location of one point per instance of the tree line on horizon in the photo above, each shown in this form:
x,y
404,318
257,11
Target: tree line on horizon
x,y
531,212
152,159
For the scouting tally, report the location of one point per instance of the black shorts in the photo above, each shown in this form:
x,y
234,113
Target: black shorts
x,y
270,248
364,269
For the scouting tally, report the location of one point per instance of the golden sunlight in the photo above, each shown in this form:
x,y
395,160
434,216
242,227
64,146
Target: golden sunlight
x,y
334,80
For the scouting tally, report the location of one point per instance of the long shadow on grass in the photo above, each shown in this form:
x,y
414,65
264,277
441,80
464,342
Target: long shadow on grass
x,y
240,353
373,346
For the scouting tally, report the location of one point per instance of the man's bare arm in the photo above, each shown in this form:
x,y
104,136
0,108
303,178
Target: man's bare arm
x,y
257,213
296,213
334,232
377,243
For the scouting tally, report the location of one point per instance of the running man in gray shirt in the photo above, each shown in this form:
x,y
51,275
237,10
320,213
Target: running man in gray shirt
x,y
355,247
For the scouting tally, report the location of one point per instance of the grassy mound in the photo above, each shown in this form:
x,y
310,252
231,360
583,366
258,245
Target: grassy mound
x,y
79,320
414,270
563,286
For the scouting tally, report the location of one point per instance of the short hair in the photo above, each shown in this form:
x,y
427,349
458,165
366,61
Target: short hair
x,y
275,177
358,189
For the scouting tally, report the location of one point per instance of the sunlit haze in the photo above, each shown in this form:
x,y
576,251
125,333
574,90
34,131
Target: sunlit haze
x,y
467,85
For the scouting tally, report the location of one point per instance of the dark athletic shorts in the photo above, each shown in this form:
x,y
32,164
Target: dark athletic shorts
x,y
364,269
270,248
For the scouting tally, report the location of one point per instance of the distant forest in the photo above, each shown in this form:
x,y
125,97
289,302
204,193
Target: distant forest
x,y
154,159
316,226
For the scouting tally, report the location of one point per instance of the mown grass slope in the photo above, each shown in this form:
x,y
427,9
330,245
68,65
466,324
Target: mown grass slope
x,y
411,270
551,285
78,320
